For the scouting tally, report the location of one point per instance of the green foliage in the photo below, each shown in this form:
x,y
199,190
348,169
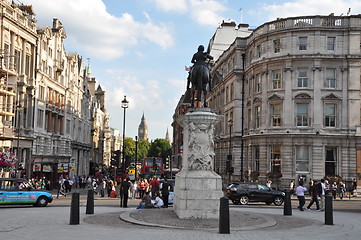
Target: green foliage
x,y
129,147
160,148
143,148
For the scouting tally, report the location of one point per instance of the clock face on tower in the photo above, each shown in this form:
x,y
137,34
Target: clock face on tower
x,y
141,130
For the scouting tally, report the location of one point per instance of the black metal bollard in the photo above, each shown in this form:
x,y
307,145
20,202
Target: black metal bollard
x,y
90,202
224,216
328,210
74,209
287,207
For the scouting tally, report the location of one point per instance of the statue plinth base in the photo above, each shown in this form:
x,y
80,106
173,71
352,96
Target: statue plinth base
x,y
197,187
197,194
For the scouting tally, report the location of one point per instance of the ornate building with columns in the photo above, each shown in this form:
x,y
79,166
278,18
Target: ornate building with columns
x,y
292,91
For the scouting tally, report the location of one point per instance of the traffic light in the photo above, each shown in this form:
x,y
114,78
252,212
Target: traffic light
x,y
167,163
115,158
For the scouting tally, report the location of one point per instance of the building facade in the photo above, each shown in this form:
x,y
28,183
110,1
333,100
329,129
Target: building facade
x,y
50,112
18,39
295,83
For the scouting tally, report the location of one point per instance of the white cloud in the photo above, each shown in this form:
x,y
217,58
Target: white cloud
x,y
204,12
92,30
179,6
309,7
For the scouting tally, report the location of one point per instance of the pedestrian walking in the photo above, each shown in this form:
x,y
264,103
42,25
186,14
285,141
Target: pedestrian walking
x,y
124,191
300,192
103,186
322,192
165,192
314,196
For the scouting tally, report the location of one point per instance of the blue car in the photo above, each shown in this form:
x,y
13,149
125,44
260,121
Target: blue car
x,y
19,191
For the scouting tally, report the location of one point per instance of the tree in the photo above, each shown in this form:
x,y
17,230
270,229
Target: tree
x,y
160,148
143,148
129,148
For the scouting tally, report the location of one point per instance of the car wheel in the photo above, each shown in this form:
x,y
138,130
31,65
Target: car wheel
x,y
243,200
236,202
278,201
42,202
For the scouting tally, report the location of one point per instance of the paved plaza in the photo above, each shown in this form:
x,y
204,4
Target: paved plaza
x,y
111,222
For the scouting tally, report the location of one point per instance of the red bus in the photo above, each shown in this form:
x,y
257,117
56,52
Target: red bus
x,y
152,166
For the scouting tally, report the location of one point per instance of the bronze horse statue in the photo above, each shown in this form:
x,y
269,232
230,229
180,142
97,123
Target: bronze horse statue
x,y
200,77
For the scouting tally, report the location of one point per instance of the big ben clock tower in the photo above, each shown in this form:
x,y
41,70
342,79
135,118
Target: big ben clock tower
x,y
143,129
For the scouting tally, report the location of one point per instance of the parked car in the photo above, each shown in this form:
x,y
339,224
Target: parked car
x,y
19,191
244,192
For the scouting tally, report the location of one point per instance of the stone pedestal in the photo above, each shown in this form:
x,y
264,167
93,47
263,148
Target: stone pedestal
x,y
197,187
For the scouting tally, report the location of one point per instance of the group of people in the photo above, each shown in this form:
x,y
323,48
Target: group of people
x,y
317,191
155,194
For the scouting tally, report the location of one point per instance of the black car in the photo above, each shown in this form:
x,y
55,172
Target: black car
x,y
244,192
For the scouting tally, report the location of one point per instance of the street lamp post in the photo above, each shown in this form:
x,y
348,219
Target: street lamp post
x,y
136,157
230,124
124,106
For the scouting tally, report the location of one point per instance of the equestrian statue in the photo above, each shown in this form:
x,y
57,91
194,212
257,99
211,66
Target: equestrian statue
x,y
199,76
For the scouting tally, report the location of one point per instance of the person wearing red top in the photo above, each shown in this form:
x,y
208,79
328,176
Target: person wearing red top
x,y
154,185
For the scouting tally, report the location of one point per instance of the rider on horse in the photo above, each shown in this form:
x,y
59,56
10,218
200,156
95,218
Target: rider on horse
x,y
200,57
199,75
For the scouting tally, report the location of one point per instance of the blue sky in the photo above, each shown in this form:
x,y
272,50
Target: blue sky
x,y
139,48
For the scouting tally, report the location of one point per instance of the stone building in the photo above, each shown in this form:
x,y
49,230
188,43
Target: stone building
x,y
62,108
300,104
51,115
18,39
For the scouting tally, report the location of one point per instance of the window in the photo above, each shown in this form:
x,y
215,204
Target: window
x,y
40,120
302,114
331,161
27,65
330,115
302,43
6,52
41,93
257,116
331,43
276,158
256,158
276,115
257,88
67,126
302,78
277,45
258,50
276,79
330,81
302,158
17,60
232,92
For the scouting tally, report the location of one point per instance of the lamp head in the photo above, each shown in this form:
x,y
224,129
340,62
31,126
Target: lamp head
x,y
125,102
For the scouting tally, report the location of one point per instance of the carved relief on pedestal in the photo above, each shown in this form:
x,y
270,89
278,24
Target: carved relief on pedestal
x,y
200,144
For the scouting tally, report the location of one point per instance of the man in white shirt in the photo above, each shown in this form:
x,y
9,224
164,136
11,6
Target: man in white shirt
x,y
323,189
158,202
300,192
